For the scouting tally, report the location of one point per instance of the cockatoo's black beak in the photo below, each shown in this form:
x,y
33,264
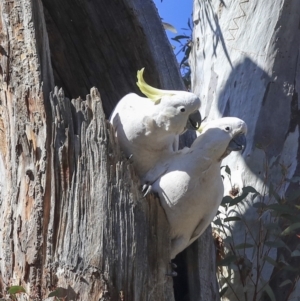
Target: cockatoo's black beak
x,y
194,121
238,143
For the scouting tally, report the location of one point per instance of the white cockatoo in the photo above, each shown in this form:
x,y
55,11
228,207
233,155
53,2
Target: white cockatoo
x,y
189,182
148,127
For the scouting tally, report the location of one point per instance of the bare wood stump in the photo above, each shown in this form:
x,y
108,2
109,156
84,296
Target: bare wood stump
x,y
106,240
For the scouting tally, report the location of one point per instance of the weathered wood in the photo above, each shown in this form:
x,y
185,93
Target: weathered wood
x,y
245,63
201,267
197,268
23,134
102,229
71,214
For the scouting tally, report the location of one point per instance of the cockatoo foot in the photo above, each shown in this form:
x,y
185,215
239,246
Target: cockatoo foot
x,y
172,273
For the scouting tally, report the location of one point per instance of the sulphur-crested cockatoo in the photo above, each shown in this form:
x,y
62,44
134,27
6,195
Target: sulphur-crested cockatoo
x,y
148,127
189,182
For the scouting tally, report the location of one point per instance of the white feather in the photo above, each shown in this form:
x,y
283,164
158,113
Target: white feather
x,y
148,131
189,182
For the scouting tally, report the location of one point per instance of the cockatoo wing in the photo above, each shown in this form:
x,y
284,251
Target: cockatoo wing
x,y
148,128
189,181
199,229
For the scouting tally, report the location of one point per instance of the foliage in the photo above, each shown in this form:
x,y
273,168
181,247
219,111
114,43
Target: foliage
x,y
13,291
59,293
16,290
170,27
185,46
277,218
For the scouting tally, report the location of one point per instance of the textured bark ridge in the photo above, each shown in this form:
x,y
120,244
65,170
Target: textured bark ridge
x,y
100,228
96,238
71,214
23,146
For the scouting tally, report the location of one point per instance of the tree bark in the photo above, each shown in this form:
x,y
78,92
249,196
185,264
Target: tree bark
x,y
71,212
104,44
106,238
245,63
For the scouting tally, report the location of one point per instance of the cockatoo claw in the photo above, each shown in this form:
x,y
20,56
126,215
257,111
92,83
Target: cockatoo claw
x,y
172,274
130,158
173,265
146,189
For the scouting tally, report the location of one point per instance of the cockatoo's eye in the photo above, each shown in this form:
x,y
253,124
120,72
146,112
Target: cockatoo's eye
x,y
182,110
227,129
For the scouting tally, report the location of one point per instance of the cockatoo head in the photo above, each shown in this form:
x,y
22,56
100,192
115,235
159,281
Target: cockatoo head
x,y
178,109
181,111
225,135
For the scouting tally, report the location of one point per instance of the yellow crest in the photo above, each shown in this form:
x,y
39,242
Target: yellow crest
x,y
152,93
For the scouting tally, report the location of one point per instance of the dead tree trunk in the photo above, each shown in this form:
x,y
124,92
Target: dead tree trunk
x,y
100,227
71,212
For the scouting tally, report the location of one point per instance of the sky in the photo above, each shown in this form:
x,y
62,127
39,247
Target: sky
x,y
177,13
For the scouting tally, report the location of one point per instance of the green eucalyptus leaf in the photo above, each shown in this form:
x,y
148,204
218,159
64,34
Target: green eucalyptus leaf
x,y
275,244
290,229
271,261
187,51
271,226
288,267
227,170
217,222
228,239
227,260
293,196
288,281
189,24
249,189
259,205
281,209
180,37
275,194
238,199
226,200
270,292
15,289
60,292
232,219
273,160
223,291
295,253
293,180
292,218
243,246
